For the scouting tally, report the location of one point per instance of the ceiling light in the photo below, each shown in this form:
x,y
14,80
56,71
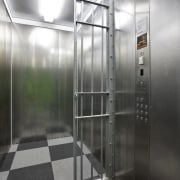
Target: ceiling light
x,y
51,9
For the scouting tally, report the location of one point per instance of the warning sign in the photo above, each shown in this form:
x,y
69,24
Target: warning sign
x,y
141,26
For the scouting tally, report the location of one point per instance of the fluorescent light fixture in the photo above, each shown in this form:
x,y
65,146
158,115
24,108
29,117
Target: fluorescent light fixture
x,y
50,9
42,37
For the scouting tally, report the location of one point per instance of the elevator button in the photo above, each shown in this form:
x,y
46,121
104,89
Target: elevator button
x,y
142,112
142,99
141,83
137,105
142,118
137,117
146,120
142,105
146,113
146,106
137,99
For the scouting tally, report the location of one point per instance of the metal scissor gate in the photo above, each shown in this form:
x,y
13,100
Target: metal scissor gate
x,y
93,116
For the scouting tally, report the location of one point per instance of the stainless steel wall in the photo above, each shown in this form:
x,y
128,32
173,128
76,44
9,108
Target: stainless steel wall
x,y
142,125
165,90
125,88
164,147
42,82
5,79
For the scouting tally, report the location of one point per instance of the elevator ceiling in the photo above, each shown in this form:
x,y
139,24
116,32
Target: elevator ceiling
x,y
32,10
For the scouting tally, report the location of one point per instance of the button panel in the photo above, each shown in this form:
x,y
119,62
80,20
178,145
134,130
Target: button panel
x,y
142,85
141,109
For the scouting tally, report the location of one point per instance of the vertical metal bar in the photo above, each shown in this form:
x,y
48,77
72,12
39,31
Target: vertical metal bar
x,y
107,88
110,145
75,95
12,54
102,75
82,79
92,88
81,150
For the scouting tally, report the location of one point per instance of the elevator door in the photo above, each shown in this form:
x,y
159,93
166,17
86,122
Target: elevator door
x,y
93,90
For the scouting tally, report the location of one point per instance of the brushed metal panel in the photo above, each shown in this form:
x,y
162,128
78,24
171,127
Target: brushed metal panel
x,y
5,80
65,78
165,90
142,126
125,88
42,82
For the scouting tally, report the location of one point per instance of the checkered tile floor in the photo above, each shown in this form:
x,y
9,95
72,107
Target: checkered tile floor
x,y
46,160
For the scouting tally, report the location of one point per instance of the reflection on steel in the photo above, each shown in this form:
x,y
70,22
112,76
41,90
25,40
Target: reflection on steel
x,y
165,90
95,3
5,81
90,24
42,82
125,88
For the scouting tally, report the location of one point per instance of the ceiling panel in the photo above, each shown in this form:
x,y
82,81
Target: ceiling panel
x,y
30,9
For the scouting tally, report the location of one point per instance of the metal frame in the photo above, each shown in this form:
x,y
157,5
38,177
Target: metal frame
x,y
95,3
8,9
110,88
91,24
111,101
63,27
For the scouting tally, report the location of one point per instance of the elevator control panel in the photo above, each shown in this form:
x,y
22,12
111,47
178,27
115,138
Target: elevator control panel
x,y
142,92
142,77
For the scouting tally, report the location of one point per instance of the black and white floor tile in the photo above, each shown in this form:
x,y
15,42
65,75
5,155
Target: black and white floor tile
x,y
46,160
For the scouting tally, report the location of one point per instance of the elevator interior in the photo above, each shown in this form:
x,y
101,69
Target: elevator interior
x,y
122,56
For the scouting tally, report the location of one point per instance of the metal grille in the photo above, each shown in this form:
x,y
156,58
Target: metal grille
x,y
94,87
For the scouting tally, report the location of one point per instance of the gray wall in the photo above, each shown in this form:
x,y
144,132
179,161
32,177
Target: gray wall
x,y
125,71
42,80
165,90
5,79
42,67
